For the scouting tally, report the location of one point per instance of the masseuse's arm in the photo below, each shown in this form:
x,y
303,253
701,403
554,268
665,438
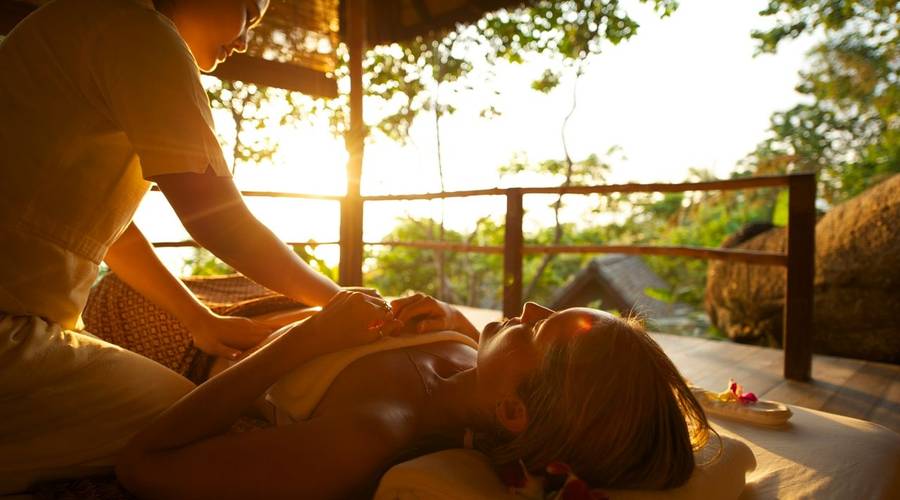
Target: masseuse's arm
x,y
133,259
186,453
213,211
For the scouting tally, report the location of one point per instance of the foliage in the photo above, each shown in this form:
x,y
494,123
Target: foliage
x,y
252,109
849,131
589,171
308,255
425,75
566,31
846,129
474,278
204,263
873,19
699,219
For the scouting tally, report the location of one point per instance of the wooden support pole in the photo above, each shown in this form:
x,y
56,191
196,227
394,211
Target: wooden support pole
x,y
512,254
801,256
350,267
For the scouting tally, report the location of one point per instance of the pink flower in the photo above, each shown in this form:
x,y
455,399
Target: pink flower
x,y
738,392
747,398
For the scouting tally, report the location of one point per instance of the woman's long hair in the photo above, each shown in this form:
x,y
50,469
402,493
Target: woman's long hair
x,y
610,404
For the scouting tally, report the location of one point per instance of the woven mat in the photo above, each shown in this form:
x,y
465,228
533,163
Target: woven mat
x,y
118,314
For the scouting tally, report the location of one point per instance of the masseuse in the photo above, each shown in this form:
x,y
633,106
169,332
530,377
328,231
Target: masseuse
x,y
99,98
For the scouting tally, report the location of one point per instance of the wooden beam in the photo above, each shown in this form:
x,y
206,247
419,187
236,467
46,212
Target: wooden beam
x,y
667,187
656,187
746,256
512,254
436,22
448,246
350,267
277,74
801,270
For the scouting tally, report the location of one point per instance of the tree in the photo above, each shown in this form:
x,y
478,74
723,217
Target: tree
x,y
475,279
430,75
412,75
204,263
850,131
253,109
589,171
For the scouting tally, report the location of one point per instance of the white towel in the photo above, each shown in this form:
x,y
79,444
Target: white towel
x,y
298,393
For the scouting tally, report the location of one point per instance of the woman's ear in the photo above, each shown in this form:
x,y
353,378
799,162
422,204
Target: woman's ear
x,y
511,413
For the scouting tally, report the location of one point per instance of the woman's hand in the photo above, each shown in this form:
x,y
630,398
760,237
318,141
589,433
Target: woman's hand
x,y
350,319
227,336
424,313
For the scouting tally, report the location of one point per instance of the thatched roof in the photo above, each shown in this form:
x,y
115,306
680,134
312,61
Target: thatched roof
x,y
620,282
398,20
294,47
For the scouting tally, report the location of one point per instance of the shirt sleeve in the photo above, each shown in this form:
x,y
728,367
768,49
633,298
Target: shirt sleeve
x,y
151,85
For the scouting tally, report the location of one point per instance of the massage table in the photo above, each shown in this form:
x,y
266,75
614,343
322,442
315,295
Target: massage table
x,y
815,455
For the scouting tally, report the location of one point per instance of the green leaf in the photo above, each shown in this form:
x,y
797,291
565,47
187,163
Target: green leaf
x,y
780,213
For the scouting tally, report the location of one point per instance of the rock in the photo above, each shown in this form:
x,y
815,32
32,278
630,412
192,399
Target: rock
x,y
858,242
857,281
743,301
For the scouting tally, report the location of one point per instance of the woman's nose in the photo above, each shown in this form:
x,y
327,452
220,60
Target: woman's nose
x,y
532,312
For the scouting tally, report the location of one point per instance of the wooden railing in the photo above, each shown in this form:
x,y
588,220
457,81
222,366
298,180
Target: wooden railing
x,y
799,258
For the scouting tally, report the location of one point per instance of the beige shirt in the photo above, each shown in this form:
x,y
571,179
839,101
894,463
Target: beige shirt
x,y
96,97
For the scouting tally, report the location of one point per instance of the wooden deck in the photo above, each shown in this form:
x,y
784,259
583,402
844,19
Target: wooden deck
x,y
851,387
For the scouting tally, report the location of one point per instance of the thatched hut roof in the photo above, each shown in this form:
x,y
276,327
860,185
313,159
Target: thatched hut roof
x,y
620,282
294,47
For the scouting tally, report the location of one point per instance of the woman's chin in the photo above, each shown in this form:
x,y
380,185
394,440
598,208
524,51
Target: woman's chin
x,y
208,64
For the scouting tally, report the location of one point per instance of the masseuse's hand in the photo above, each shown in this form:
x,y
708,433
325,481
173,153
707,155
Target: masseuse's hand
x,y
227,336
350,319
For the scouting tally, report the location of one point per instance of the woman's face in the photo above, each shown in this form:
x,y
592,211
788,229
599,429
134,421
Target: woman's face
x,y
510,351
214,29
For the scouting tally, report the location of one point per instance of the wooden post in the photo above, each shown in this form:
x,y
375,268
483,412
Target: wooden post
x,y
798,302
512,254
350,267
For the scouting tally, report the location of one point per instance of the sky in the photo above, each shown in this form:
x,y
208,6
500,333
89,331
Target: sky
x,y
685,92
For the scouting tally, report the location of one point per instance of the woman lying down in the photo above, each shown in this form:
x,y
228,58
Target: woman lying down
x,y
578,386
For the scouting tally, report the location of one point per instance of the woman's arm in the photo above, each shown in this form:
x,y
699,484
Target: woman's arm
x,y
132,258
213,211
186,446
333,456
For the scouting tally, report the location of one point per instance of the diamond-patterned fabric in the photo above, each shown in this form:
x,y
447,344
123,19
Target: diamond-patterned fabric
x,y
118,314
